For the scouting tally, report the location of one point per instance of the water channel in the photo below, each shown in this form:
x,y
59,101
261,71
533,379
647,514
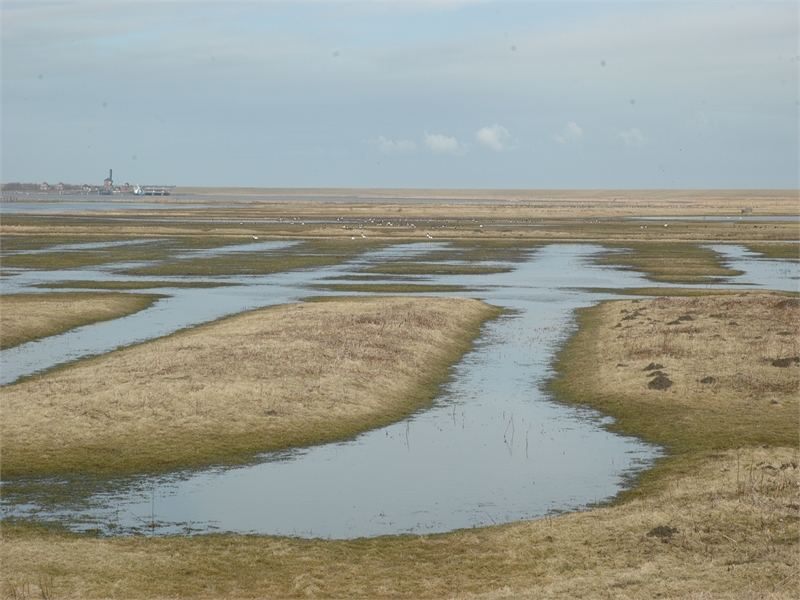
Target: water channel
x,y
494,448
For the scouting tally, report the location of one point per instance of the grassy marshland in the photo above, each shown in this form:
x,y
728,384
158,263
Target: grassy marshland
x,y
279,377
717,519
27,317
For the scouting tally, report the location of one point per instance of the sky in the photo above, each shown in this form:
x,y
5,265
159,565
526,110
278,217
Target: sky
x,y
534,95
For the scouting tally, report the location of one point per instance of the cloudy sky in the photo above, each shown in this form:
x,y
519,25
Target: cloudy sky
x,y
441,95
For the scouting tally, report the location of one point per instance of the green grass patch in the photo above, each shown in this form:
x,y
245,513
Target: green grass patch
x,y
50,256
392,288
130,285
491,250
668,262
306,255
429,268
790,250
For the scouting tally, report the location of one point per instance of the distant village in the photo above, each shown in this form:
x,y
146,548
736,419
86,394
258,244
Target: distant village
x,y
106,189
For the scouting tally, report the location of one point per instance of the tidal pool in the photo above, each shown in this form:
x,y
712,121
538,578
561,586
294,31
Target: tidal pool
x,y
494,448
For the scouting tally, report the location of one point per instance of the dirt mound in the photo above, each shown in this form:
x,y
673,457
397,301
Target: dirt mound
x,y
789,303
660,382
662,531
681,319
786,362
653,367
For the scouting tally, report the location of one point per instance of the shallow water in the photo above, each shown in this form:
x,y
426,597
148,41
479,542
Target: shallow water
x,y
759,272
493,449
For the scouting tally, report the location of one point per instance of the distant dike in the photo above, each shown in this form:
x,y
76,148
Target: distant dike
x,y
494,194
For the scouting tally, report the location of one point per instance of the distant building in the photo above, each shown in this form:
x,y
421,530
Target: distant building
x,y
44,186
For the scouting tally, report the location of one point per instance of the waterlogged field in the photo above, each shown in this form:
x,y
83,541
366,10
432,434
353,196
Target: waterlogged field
x,y
518,430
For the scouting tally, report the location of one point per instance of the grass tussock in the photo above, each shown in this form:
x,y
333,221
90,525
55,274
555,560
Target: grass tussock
x,y
27,317
274,378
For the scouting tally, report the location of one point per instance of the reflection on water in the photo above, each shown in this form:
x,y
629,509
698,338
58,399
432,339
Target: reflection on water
x,y
493,449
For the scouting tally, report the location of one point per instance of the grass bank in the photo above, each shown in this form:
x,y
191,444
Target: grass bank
x,y
716,356
27,317
717,519
284,376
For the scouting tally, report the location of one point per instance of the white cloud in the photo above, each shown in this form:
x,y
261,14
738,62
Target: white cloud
x,y
442,144
494,137
632,137
571,132
392,146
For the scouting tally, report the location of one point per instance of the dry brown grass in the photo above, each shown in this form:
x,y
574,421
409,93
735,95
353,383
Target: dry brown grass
x,y
26,317
734,339
273,378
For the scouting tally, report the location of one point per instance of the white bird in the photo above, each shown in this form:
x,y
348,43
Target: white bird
x,y
255,237
429,236
353,237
